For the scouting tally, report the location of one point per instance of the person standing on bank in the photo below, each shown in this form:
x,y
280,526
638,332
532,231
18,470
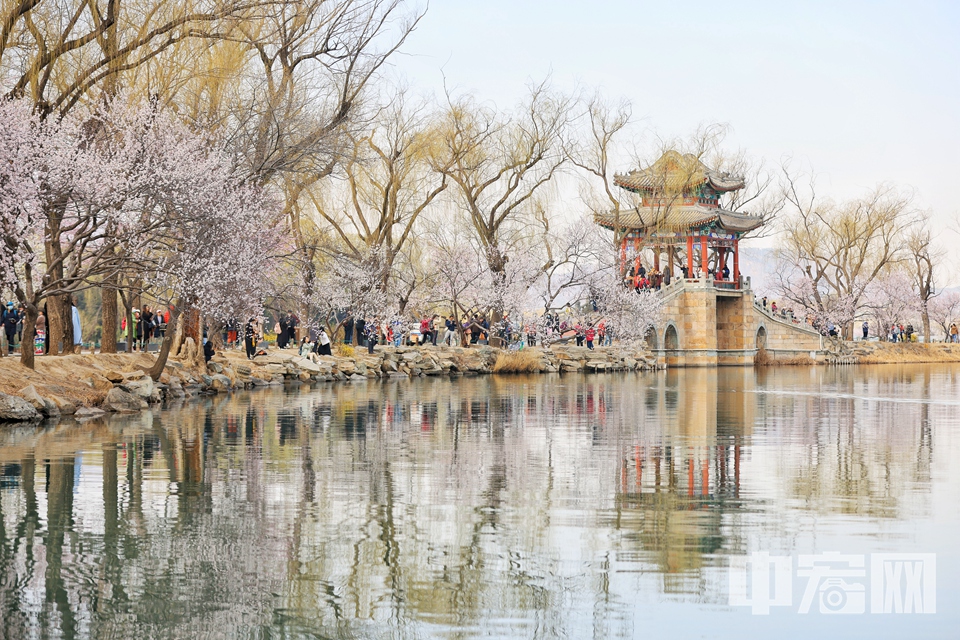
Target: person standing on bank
x,y
146,318
360,332
372,330
866,329
323,343
77,334
249,339
450,334
10,320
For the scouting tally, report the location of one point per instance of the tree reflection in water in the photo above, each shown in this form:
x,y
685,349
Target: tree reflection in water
x,y
526,506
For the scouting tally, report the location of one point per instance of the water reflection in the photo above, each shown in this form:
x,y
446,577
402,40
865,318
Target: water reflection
x,y
517,506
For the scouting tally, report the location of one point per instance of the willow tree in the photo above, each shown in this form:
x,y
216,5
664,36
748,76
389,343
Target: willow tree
x,y
388,183
500,165
593,149
830,253
311,70
923,260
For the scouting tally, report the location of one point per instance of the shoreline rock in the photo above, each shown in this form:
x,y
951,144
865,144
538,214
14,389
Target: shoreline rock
x,y
131,391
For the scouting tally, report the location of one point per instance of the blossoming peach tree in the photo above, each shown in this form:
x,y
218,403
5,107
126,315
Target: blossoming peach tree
x,y
126,187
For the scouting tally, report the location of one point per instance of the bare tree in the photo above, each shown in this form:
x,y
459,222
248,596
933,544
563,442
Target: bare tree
x,y
839,248
590,150
923,261
499,165
388,182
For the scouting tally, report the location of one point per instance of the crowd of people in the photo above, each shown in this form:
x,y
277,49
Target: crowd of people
x,y
434,330
12,319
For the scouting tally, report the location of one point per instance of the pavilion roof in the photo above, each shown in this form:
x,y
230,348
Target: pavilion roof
x,y
680,218
677,173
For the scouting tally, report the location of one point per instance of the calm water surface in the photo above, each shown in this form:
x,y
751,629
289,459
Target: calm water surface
x,y
528,507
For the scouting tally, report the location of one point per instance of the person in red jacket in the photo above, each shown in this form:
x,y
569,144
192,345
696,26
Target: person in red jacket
x,y
590,334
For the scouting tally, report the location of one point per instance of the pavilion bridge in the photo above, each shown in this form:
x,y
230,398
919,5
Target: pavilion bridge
x,y
709,317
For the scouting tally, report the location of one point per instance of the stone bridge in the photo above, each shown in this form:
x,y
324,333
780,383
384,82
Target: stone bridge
x,y
709,324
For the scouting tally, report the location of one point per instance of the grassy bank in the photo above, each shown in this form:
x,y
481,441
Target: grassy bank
x,y
905,352
78,379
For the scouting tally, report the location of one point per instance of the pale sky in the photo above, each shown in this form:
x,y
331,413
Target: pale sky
x,y
864,92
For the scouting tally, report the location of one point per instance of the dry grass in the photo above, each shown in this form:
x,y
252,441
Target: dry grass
x,y
63,376
523,361
909,352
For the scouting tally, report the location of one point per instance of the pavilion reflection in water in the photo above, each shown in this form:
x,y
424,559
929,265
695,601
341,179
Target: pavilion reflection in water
x,y
441,502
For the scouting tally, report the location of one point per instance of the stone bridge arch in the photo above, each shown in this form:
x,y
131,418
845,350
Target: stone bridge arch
x,y
671,337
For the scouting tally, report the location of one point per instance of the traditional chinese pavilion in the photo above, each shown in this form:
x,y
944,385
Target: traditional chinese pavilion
x,y
679,216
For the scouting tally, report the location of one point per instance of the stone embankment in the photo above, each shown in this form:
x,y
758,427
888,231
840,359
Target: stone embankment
x,y
95,385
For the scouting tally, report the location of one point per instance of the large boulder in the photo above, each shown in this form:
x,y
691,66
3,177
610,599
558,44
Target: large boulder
x,y
122,401
141,387
14,409
221,382
65,406
43,405
305,364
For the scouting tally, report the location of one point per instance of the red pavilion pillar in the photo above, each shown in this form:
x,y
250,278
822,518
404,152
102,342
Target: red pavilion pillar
x,y
736,262
704,262
689,256
636,261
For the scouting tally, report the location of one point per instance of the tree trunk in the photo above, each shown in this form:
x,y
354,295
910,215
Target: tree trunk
x,y
216,335
66,310
27,357
55,324
176,328
108,294
191,326
165,346
926,322
131,329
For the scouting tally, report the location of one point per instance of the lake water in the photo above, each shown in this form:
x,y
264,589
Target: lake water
x,y
593,506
